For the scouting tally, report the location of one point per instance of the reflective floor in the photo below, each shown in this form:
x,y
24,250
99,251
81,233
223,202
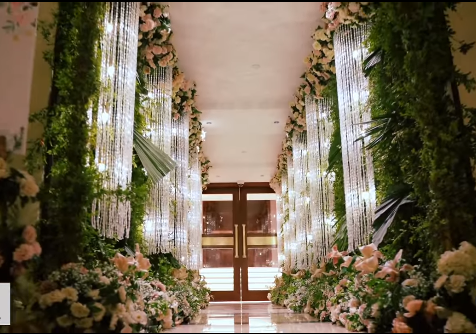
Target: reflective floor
x,y
253,318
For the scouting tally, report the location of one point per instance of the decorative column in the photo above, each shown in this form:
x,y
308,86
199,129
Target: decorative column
x,y
195,215
158,115
286,221
353,90
293,242
179,188
319,132
304,236
115,117
280,225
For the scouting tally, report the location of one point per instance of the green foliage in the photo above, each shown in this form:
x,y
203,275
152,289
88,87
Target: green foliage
x,y
422,143
162,265
70,181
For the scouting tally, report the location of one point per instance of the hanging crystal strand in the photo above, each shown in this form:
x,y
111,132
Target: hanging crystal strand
x,y
279,223
293,243
195,215
304,236
319,132
115,122
179,188
158,114
286,225
353,91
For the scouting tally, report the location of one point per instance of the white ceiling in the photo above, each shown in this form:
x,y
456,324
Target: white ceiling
x,y
220,45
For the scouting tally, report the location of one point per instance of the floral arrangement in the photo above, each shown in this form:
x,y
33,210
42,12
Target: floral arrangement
x,y
124,296
365,292
18,215
156,49
320,69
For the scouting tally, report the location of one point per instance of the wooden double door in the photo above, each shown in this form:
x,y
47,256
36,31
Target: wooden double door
x,y
239,240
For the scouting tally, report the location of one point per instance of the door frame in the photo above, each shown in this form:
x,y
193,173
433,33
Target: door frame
x,y
240,264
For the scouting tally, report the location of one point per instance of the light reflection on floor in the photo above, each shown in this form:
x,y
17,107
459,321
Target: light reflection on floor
x,y
253,318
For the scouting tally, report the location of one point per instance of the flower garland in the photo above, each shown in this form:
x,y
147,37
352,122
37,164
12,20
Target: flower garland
x,y
321,68
156,49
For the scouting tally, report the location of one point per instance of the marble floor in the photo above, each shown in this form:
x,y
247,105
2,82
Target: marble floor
x,y
253,318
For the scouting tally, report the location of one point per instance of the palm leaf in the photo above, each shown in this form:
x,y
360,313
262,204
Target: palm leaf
x,y
371,61
340,237
386,212
335,154
155,161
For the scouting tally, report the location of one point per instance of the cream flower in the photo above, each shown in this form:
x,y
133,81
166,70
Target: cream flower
x,y
407,299
84,323
50,298
440,282
94,294
320,35
28,186
64,321
79,310
122,293
411,282
456,263
456,283
375,310
70,293
316,46
139,317
105,280
458,323
354,7
99,313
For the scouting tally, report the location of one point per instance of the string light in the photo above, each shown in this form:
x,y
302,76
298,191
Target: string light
x,y
113,152
354,113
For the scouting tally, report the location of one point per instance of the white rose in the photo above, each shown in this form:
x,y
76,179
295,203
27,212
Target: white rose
x,y
320,35
70,293
84,323
316,45
28,186
456,283
64,321
50,298
94,294
99,313
79,310
458,323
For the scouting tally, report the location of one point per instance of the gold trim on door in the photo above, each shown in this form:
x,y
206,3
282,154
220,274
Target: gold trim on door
x,y
217,241
236,241
244,241
262,241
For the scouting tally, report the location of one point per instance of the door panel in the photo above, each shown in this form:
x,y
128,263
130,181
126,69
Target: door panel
x,y
240,255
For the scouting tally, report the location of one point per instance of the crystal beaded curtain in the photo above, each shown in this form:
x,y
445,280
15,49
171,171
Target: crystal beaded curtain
x,y
115,118
195,215
280,221
319,132
179,188
304,235
287,226
293,242
158,115
353,91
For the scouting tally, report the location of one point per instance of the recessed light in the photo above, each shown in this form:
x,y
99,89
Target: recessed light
x,y
218,175
256,66
243,151
262,175
276,122
209,122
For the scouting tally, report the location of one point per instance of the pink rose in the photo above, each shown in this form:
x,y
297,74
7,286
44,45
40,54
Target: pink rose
x,y
307,90
170,48
157,13
121,262
29,234
23,253
151,63
157,49
168,322
36,248
354,7
176,116
149,55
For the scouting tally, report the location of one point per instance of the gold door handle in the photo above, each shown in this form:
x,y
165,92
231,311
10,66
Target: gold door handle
x,y
236,241
244,241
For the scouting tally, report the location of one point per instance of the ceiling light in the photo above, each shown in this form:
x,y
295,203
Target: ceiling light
x,y
262,175
256,66
243,151
209,122
218,175
276,122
